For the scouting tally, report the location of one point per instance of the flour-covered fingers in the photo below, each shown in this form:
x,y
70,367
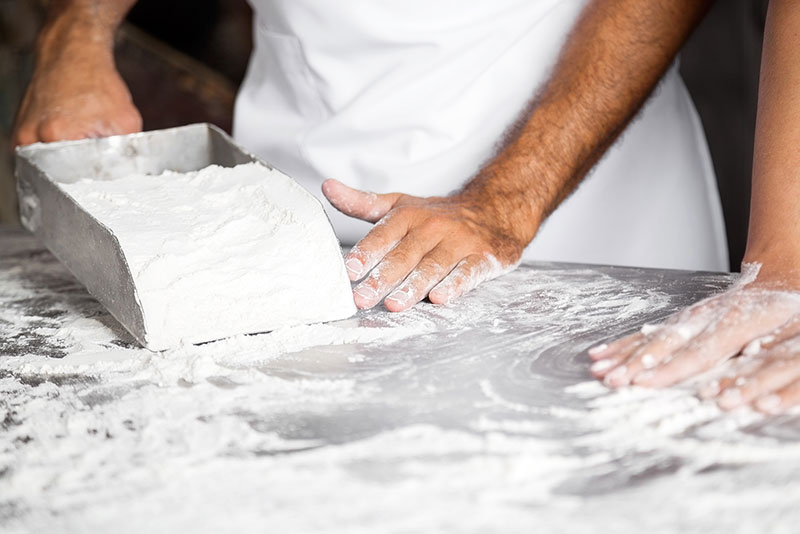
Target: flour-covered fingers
x,y
373,248
622,361
393,269
743,367
655,350
721,341
742,317
471,271
369,207
778,337
360,204
624,346
756,375
607,358
689,361
770,378
711,389
430,271
780,401
601,368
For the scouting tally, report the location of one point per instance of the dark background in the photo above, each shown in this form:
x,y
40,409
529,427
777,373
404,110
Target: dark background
x,y
720,65
183,60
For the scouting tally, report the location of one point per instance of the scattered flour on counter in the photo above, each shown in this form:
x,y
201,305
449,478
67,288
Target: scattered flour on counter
x,y
93,353
474,417
222,251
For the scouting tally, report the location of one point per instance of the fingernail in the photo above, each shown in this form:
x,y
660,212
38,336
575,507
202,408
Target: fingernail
x,y
366,293
398,295
445,292
601,365
354,267
598,349
731,398
649,361
617,377
710,390
770,404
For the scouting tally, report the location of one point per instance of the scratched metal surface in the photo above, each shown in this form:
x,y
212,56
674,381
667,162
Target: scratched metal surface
x,y
472,418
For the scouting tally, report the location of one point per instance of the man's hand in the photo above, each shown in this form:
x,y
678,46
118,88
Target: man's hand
x,y
442,247
758,321
76,91
439,247
75,99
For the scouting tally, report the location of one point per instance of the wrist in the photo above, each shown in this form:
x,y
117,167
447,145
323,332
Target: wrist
x,y
76,37
504,200
779,267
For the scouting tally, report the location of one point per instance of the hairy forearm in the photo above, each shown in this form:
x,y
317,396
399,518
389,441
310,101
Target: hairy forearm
x,y
81,27
774,237
611,62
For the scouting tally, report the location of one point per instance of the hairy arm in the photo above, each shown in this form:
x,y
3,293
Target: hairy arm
x,y
76,91
611,62
759,318
441,247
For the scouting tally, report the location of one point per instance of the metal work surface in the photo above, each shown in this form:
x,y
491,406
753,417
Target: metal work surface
x,y
477,417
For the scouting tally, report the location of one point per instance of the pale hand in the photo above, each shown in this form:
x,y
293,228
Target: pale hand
x,y
437,247
754,321
75,99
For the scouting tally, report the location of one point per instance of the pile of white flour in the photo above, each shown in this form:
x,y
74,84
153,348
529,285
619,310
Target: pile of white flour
x,y
222,251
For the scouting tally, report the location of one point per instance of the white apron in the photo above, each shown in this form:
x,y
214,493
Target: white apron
x,y
414,95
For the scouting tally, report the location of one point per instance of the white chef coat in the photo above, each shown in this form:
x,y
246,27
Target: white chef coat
x,y
414,96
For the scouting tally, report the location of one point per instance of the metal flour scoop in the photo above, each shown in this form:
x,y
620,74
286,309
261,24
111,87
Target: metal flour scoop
x,y
90,250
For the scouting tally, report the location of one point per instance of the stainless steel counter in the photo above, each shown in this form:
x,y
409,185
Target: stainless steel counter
x,y
477,417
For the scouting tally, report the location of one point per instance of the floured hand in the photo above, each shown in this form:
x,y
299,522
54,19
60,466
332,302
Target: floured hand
x,y
437,247
753,320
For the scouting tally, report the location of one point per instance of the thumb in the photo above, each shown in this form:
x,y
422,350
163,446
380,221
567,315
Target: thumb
x,y
360,204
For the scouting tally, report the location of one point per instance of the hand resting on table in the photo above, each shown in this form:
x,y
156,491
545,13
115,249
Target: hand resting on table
x,y
755,321
437,247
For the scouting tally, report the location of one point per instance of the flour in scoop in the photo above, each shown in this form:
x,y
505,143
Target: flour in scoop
x,y
221,251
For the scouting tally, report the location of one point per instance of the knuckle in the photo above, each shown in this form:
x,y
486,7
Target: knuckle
x,y
52,130
401,200
431,263
437,222
133,121
479,261
24,136
416,282
373,281
430,267
374,240
400,256
386,223
402,212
